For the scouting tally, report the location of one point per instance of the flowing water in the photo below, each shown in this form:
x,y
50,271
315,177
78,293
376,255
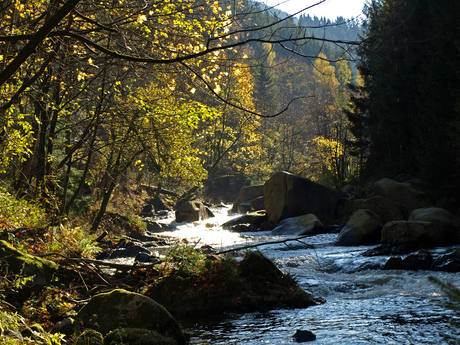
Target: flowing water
x,y
365,305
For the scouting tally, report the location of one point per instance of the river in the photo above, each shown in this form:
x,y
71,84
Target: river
x,y
365,305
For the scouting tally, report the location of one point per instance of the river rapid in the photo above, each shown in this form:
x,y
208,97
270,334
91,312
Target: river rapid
x,y
365,305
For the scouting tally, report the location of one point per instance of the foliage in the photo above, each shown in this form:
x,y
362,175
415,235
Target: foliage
x,y
15,322
16,213
74,241
41,307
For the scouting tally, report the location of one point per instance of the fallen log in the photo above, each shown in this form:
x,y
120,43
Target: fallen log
x,y
255,245
121,267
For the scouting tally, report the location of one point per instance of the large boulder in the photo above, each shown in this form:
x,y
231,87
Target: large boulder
x,y
364,227
408,233
426,227
247,194
107,312
302,225
445,225
41,270
403,193
287,196
385,208
192,211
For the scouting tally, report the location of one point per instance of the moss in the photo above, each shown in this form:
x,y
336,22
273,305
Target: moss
x,y
120,308
90,337
137,336
26,264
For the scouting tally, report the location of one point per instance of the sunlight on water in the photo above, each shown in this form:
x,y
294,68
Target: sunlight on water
x,y
207,232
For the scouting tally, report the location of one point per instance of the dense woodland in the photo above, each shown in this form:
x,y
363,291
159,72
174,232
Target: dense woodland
x,y
118,95
208,96
405,116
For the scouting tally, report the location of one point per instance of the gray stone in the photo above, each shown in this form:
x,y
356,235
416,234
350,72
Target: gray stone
x,y
408,233
244,207
301,225
403,193
385,208
258,204
364,227
191,211
242,203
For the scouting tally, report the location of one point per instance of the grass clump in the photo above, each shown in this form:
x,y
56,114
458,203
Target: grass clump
x,y
192,283
19,213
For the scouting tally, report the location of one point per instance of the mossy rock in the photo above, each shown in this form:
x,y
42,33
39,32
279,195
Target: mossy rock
x,y
255,267
90,337
137,336
120,308
256,284
28,265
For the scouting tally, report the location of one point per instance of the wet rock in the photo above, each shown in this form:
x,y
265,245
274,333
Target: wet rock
x,y
302,225
156,227
107,312
253,218
256,266
448,262
147,211
158,204
422,260
302,336
243,228
244,207
129,252
364,227
287,196
267,226
332,228
145,257
386,249
192,211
